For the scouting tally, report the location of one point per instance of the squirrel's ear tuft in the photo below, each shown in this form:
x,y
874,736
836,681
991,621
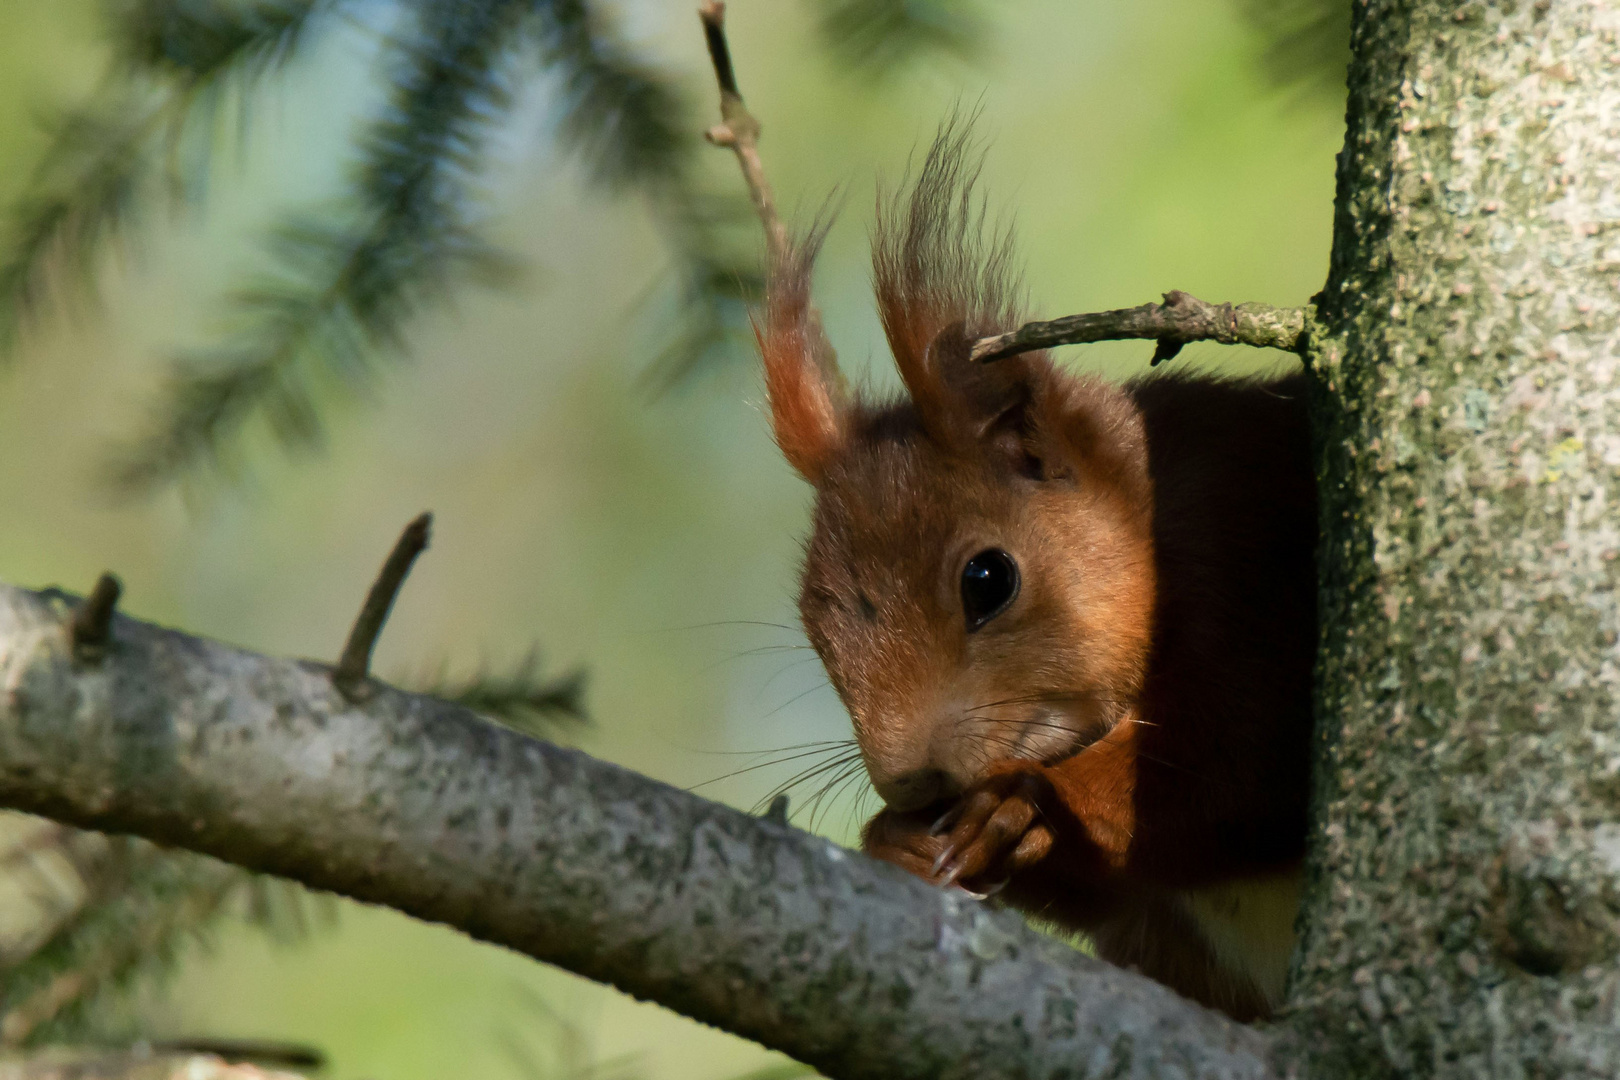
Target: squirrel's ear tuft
x,y
945,276
806,391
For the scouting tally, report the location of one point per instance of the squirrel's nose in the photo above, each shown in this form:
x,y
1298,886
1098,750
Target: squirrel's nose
x,y
913,790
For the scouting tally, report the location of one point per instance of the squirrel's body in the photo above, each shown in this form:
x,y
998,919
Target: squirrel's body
x,y
1222,758
1073,622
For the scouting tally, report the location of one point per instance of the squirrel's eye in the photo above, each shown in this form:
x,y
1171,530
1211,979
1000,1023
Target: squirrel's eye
x,y
989,584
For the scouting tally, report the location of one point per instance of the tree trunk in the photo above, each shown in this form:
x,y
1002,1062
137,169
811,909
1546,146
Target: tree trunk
x,y
1461,914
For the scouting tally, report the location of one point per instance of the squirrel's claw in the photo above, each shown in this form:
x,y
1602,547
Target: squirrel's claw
x,y
993,829
988,892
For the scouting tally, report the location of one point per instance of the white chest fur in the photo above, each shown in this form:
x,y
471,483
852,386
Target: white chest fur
x,y
1249,926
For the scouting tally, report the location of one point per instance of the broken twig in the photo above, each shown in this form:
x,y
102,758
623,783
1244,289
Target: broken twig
x,y
355,665
778,810
91,627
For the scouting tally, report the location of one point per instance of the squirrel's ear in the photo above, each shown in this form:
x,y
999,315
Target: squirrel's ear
x,y
806,391
996,406
1042,423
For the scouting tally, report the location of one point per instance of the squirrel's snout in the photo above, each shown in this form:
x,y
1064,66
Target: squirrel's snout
x,y
913,790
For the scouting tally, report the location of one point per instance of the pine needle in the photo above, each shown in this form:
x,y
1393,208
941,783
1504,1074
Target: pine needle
x,y
175,58
344,279
139,905
625,117
84,192
878,38
343,283
522,698
88,914
198,41
717,280
1307,42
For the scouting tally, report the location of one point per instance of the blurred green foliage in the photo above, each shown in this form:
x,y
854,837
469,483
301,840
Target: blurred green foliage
x,y
1308,42
341,280
878,38
398,151
87,915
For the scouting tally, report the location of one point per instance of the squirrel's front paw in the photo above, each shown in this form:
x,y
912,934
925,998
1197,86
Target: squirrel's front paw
x,y
904,840
995,830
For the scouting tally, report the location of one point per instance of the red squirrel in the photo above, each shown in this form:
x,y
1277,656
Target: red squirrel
x,y
1073,622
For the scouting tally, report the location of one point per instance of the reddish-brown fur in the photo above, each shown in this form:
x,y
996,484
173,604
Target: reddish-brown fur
x,y
1135,725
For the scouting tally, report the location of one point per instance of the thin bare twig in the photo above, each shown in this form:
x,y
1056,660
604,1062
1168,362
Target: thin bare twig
x,y
738,131
91,627
352,669
1182,318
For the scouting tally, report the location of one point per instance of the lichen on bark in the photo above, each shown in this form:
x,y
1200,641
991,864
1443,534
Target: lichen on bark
x,y
1465,894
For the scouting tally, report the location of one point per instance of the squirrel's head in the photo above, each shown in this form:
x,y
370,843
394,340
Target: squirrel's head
x,y
979,581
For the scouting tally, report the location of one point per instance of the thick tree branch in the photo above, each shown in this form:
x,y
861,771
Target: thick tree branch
x,y
1181,319
846,964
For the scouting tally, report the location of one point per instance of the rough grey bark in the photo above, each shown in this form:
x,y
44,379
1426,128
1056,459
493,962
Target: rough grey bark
x,y
1462,918
846,964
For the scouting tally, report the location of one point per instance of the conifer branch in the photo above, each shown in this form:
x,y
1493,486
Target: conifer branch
x,y
201,44
624,115
82,194
344,288
135,906
335,303
877,38
1307,42
849,965
634,128
176,60
339,284
522,697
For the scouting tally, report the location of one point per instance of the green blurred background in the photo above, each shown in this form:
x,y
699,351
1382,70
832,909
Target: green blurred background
x,y
651,538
